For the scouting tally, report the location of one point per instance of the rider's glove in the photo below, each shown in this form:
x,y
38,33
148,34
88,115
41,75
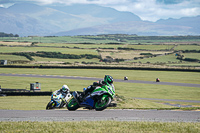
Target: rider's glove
x,y
101,82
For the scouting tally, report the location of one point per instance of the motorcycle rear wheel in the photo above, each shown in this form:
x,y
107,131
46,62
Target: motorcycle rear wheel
x,y
72,105
103,104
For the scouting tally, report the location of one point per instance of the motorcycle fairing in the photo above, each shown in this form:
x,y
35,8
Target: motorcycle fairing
x,y
96,93
56,99
102,90
88,102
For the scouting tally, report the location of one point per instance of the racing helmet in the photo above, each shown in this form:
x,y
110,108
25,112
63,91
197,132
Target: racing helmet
x,y
108,79
65,88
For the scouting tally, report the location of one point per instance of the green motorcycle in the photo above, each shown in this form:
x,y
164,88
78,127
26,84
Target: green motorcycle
x,y
99,99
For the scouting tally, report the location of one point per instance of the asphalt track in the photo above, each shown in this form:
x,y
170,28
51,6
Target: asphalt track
x,y
96,79
92,115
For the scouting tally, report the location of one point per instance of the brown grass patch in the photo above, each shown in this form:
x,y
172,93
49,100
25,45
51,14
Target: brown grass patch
x,y
15,43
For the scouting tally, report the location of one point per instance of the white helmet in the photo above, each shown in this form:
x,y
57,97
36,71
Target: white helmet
x,y
65,88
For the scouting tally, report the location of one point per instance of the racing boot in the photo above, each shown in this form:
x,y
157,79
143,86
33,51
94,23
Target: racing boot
x,y
81,97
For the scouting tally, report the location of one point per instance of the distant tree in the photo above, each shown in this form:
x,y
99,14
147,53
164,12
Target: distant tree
x,y
146,54
2,34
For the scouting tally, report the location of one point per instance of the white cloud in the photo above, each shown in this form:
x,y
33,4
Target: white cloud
x,y
151,10
69,2
190,11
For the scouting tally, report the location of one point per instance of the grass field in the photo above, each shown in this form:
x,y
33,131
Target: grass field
x,y
165,76
40,102
151,47
90,46
127,90
47,49
187,47
192,55
130,54
160,59
13,57
99,127
40,60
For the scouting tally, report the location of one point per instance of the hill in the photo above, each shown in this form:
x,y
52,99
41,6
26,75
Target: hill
x,y
30,19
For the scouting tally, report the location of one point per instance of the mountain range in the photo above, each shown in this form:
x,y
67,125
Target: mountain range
x,y
27,19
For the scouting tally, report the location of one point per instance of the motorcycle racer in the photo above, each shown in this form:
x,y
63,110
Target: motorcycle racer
x,y
64,91
97,96
107,82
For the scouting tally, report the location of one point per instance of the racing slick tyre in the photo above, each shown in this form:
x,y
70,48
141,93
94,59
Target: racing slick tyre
x,y
50,105
103,103
72,105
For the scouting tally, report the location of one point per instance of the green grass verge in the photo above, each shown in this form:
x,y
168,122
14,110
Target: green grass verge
x,y
40,102
99,127
24,102
128,90
132,103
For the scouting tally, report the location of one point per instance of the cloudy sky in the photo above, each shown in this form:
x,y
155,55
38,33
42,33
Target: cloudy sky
x,y
150,10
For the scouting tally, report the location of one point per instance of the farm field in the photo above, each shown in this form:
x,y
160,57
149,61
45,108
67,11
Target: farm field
x,y
103,50
46,49
110,38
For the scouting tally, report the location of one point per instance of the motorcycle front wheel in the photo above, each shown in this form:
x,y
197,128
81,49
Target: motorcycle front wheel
x,y
72,105
50,105
103,103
